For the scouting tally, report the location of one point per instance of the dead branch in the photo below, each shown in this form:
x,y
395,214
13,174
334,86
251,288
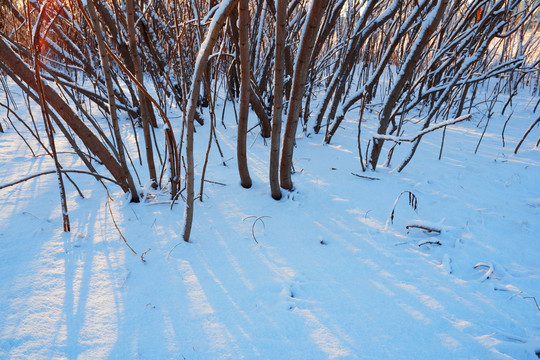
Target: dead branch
x,y
365,177
526,134
53,172
488,272
144,253
214,182
429,243
109,198
423,227
534,298
398,139
413,203
253,225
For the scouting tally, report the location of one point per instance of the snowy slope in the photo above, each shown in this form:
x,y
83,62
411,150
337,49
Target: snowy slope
x,y
321,274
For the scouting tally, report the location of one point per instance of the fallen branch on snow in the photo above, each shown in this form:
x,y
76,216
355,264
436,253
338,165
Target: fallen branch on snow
x,y
144,253
534,298
365,177
253,225
489,271
429,243
423,227
413,203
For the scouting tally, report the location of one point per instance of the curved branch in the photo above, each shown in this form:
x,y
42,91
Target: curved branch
x,y
526,134
53,172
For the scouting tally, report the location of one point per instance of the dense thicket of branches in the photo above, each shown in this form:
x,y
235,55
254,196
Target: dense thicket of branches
x,y
309,62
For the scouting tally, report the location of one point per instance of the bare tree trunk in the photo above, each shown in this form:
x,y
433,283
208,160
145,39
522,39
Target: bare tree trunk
x,y
50,135
245,88
303,59
37,41
382,65
206,49
279,72
112,101
406,74
130,12
257,105
349,57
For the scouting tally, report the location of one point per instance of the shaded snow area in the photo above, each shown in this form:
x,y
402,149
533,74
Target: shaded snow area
x,y
321,274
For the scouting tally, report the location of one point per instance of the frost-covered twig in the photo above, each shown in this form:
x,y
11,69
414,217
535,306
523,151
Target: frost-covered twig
x,y
413,202
489,271
399,139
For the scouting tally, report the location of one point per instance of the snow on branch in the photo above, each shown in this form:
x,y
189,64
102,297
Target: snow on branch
x,y
429,129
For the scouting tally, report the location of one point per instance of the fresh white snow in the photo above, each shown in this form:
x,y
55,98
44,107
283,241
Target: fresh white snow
x,y
320,274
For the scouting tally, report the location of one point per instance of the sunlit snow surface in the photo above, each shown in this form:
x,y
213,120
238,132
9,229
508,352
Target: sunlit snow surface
x,y
321,274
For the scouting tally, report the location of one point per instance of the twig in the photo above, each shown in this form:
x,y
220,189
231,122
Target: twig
x,y
430,243
365,177
413,203
114,221
534,298
74,184
398,139
215,182
359,143
253,225
526,134
489,271
174,247
428,229
54,172
144,253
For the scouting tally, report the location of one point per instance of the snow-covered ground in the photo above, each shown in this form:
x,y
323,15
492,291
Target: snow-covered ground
x,y
321,274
